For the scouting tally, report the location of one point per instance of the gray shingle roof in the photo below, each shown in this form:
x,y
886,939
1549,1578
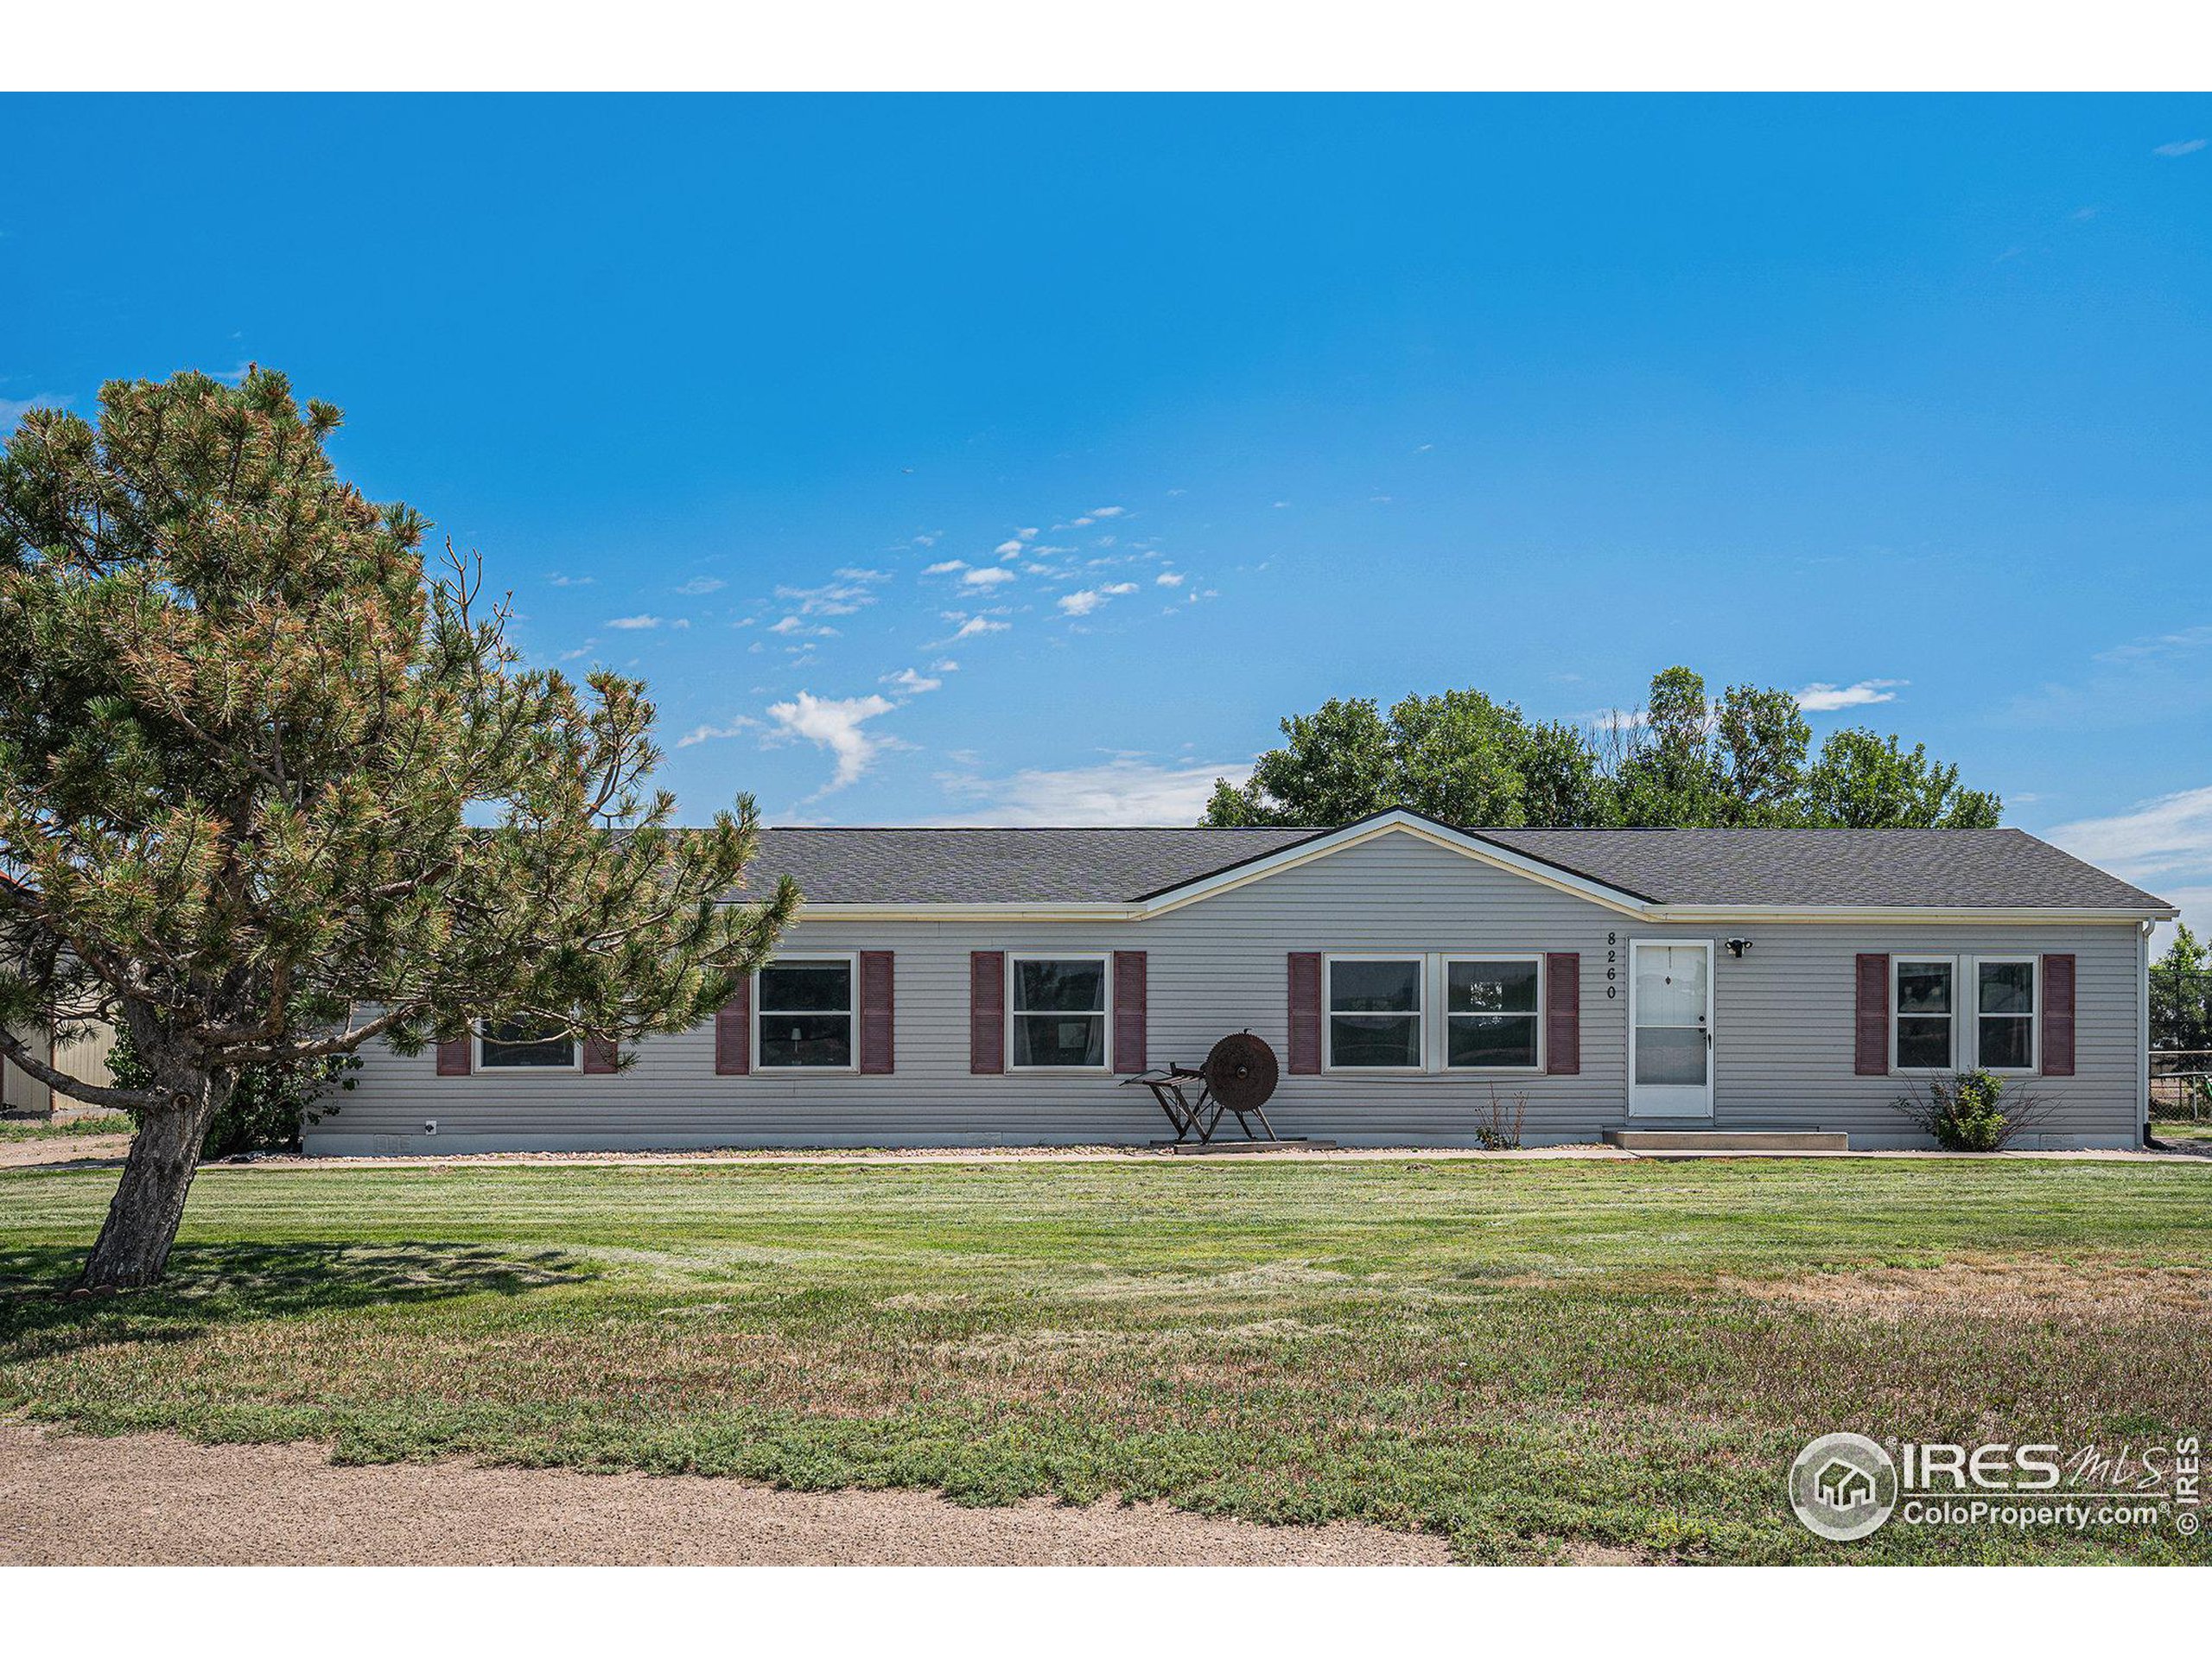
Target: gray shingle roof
x,y
1914,868
951,867
1884,868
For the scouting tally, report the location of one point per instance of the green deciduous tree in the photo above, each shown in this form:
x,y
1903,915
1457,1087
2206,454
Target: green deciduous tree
x,y
2181,995
269,790
1865,782
1683,760
1458,756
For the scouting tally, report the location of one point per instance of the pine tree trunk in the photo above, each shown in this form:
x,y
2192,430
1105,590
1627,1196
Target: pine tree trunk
x,y
134,1243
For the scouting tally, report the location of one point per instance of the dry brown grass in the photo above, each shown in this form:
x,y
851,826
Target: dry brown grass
x,y
2000,1287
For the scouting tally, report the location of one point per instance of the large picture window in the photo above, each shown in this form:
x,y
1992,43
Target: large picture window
x,y
2004,1013
1375,1008
1490,1012
1058,1011
803,1009
516,1045
1926,1003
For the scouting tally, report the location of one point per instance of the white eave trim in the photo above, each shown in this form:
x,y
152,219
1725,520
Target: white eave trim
x,y
1996,915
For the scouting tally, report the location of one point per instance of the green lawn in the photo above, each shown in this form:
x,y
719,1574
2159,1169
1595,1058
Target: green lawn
x,y
2181,1129
1523,1356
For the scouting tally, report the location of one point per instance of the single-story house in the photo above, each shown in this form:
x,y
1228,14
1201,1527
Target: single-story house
x,y
976,986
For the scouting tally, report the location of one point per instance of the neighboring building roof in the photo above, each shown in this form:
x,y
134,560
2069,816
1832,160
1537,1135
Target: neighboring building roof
x,y
1808,868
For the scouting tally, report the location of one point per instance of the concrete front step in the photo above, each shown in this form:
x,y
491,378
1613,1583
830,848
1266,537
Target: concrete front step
x,y
1666,1140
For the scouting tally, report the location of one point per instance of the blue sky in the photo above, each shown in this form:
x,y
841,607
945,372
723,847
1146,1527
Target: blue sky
x,y
1026,459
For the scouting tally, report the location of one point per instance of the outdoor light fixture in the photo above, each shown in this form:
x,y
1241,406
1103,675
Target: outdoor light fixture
x,y
1736,947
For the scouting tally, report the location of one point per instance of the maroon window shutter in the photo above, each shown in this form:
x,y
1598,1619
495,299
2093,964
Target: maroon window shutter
x,y
733,1033
1563,1013
454,1057
1870,1056
598,1057
1305,1012
985,1013
1128,1011
876,999
2058,1016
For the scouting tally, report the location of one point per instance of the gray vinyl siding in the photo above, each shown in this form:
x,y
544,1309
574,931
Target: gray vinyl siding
x,y
1783,1025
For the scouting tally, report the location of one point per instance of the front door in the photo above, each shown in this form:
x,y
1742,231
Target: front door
x,y
1671,1028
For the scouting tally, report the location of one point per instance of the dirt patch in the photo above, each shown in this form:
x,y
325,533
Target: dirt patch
x,y
70,1500
1999,1287
63,1149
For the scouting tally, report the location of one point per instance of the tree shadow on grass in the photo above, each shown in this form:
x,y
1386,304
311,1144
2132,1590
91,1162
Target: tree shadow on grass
x,y
212,1285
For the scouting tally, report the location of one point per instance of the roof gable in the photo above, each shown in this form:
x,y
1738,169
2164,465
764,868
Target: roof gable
x,y
1397,821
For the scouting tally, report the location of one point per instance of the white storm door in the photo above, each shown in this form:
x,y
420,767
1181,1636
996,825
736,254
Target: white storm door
x,y
1670,1029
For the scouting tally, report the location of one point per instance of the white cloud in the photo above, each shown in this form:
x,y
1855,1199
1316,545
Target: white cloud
x,y
980,625
990,578
1081,602
835,724
1108,512
1007,549
2173,832
699,585
2195,906
1119,588
911,682
1028,535
840,598
2180,147
1125,791
1820,697
2160,644
740,723
1171,579
945,665
553,580
634,621
945,568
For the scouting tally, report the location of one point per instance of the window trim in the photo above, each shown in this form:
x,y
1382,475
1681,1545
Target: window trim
x,y
1958,975
574,1068
1425,964
2034,1015
1444,1016
1966,1024
1104,1014
852,961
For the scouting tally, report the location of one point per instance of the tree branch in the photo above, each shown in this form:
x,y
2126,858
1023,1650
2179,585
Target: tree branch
x,y
93,1094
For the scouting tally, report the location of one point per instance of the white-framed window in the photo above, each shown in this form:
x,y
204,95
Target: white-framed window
x,y
1056,1011
1923,1013
1374,1012
802,1014
2007,1002
522,1044
1493,1013
1964,1013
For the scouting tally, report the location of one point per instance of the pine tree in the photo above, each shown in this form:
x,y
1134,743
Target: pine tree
x,y
271,790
